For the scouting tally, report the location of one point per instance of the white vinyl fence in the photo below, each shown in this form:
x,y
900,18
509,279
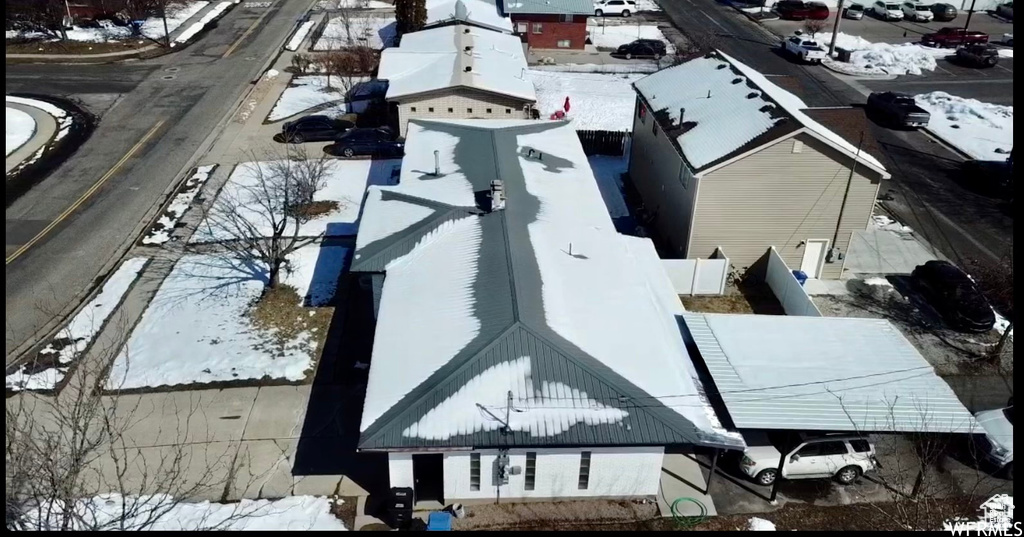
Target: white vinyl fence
x,y
787,289
698,276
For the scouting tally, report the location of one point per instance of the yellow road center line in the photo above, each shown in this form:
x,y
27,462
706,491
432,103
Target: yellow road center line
x,y
88,193
244,35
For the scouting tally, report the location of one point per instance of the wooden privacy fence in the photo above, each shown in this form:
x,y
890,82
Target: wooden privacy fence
x,y
604,142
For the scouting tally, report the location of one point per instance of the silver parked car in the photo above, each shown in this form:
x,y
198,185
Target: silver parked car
x,y
854,11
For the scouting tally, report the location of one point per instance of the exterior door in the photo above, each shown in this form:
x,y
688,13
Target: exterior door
x,y
428,477
814,257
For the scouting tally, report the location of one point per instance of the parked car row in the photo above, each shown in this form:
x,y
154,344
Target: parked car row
x,y
910,10
800,10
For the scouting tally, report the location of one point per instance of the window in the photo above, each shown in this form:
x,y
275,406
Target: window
x,y
538,28
521,27
643,113
531,470
412,108
451,110
474,471
508,110
584,481
564,43
833,448
860,446
810,450
469,110
566,18
431,109
488,110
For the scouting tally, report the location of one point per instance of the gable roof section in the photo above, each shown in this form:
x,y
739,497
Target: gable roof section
x,y
559,7
482,13
715,109
438,58
542,298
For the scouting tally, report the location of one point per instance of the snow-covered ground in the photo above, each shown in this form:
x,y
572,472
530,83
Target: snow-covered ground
x,y
982,130
345,183
152,28
760,524
20,128
613,35
198,26
881,58
300,35
608,171
597,101
160,513
647,5
203,307
305,92
635,66
354,4
74,339
884,223
161,231
374,32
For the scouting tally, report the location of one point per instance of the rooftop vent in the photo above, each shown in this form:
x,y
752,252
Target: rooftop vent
x,y
497,195
737,80
465,30
468,68
721,66
753,95
468,48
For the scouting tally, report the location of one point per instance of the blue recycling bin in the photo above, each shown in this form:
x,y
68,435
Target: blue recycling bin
x,y
800,276
439,521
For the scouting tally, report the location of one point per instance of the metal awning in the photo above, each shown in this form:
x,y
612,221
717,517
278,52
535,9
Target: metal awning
x,y
823,374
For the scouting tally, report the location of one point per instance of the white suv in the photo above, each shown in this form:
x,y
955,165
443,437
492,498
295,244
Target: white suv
x,y
998,444
915,11
887,10
843,457
614,7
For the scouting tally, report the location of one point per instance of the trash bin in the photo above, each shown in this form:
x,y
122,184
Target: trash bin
x,y
843,54
400,506
439,521
800,276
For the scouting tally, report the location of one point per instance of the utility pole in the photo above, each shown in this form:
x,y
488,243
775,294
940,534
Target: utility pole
x,y
835,29
163,15
969,13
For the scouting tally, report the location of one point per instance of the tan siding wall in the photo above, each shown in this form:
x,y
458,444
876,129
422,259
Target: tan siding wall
x,y
460,101
779,198
663,182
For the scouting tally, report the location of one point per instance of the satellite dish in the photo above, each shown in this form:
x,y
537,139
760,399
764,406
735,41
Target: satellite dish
x,y
461,13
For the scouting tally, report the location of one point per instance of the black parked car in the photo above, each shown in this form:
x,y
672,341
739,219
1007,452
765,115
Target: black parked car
x,y
978,55
380,142
897,109
953,294
943,12
314,129
641,48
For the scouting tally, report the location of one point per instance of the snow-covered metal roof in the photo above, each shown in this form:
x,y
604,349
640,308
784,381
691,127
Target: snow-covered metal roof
x,y
823,374
717,108
456,56
482,13
542,298
559,7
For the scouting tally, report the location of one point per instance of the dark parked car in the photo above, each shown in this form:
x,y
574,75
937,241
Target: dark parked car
x,y
943,12
1005,10
641,48
953,294
314,129
978,55
898,109
817,11
798,10
953,37
378,142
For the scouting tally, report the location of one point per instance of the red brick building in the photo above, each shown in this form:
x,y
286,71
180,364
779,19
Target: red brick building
x,y
550,23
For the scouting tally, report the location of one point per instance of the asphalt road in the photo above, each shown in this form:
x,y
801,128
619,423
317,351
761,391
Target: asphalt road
x,y
927,195
994,85
163,109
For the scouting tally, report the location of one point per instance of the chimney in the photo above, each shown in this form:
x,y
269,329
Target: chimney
x,y
437,163
497,195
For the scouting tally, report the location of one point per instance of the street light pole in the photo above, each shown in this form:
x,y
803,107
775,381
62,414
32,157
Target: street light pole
x,y
969,13
835,30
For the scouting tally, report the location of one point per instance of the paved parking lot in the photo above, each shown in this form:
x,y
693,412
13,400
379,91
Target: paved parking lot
x,y
876,30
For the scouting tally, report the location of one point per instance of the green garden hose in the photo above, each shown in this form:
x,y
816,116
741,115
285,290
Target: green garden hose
x,y
685,521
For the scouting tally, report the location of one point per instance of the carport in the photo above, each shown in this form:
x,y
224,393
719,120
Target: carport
x,y
823,374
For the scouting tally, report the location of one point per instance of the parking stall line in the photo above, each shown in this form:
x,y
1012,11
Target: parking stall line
x,y
1004,69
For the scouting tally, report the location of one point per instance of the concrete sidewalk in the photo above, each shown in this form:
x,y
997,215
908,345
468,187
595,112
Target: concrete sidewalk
x,y
46,127
683,477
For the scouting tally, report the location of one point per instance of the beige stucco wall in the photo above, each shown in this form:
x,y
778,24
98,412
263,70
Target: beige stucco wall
x,y
460,101
777,197
663,182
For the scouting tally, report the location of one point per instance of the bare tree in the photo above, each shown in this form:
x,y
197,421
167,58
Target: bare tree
x,y
135,10
996,282
812,26
349,66
261,220
411,15
45,16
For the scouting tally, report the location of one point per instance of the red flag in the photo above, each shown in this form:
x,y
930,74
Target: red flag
x,y
566,106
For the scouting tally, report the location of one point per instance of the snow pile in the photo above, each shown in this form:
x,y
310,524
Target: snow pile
x,y
373,32
1002,323
613,35
982,130
882,282
760,524
884,223
597,101
880,58
152,27
159,512
300,35
64,120
608,171
79,333
161,231
20,128
345,184
305,92
203,306
632,67
197,27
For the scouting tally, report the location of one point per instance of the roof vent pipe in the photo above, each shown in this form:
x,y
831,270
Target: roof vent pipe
x,y
709,94
682,112
468,68
497,195
437,163
468,48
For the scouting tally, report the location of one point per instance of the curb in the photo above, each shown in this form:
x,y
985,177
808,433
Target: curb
x,y
945,143
750,15
858,76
